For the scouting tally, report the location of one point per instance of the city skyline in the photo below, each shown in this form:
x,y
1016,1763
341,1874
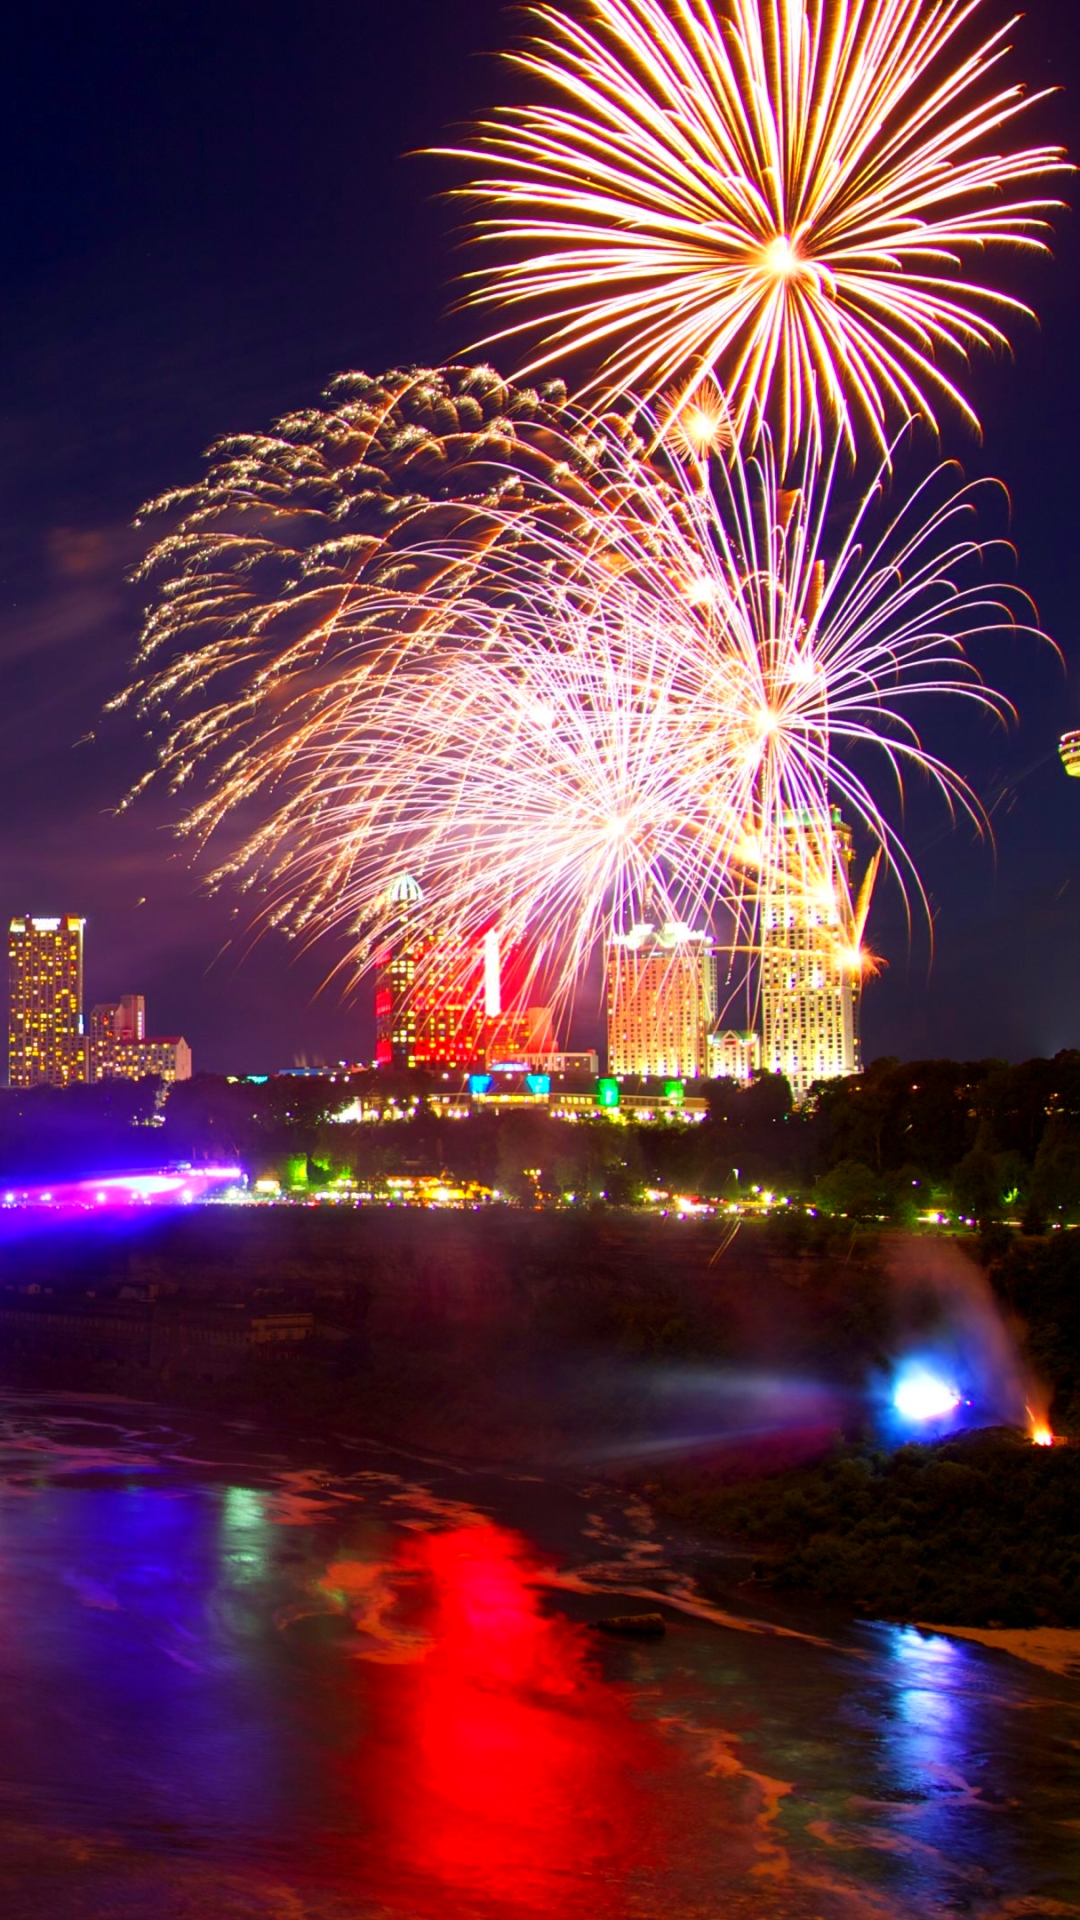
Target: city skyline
x,y
52,1039
1004,930
537,603
443,1005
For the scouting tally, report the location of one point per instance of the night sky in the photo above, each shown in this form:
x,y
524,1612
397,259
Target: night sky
x,y
205,213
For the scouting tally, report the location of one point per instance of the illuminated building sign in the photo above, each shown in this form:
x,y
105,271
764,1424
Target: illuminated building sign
x,y
607,1093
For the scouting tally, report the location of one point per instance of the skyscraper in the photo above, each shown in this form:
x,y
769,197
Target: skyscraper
x,y
810,971
446,1004
429,1004
395,971
442,1006
46,1046
661,1000
454,994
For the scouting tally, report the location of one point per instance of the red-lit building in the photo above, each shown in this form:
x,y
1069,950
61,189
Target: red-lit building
x,y
430,1005
443,1006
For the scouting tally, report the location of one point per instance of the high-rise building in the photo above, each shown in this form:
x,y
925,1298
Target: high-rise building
x,y
113,1024
734,1053
430,1007
131,1018
661,1000
444,1004
121,1050
453,999
810,974
1070,753
395,973
46,1046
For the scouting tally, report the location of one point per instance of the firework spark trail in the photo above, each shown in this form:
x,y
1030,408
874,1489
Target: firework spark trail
x,y
787,194
280,559
626,686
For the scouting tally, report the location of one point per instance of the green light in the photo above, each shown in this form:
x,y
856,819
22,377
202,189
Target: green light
x,y
674,1092
607,1093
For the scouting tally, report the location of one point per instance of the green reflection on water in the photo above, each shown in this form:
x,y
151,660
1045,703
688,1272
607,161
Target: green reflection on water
x,y
245,1532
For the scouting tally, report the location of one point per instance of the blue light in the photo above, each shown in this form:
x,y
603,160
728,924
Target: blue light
x,y
538,1083
479,1084
920,1395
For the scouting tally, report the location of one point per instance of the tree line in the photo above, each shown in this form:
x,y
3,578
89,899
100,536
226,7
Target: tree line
x,y
982,1139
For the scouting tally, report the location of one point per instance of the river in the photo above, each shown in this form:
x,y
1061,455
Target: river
x,y
316,1680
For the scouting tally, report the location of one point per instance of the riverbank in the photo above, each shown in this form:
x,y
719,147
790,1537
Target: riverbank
x,y
980,1531
727,1381
1057,1649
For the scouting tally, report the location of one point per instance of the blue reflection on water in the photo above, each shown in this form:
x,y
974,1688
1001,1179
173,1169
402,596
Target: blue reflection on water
x,y
949,1751
131,1632
929,1710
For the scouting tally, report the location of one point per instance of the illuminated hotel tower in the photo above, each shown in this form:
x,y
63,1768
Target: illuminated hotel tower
x,y
45,1002
441,1005
661,1000
810,975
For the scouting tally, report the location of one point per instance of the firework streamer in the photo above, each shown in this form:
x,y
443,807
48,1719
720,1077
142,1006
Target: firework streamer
x,y
602,693
787,197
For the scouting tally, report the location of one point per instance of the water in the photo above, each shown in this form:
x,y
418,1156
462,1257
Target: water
x,y
334,1683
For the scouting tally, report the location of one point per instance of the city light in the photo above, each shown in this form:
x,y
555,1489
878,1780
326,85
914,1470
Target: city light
x,y
165,1186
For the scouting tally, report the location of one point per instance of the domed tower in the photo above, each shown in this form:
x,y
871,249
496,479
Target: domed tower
x,y
395,973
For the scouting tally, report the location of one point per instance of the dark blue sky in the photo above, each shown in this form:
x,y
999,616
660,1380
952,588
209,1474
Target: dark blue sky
x,y
204,214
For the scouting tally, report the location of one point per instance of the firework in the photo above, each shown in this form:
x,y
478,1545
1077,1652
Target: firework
x,y
615,712
277,555
786,195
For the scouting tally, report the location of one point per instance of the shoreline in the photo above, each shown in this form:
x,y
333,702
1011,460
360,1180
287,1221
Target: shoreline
x,y
1056,1649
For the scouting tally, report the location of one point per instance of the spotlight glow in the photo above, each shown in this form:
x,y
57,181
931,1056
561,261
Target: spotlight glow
x,y
920,1395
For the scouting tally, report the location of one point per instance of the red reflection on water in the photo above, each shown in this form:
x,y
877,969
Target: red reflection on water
x,y
498,1763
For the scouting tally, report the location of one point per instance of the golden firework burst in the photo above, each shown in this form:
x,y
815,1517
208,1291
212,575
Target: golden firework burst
x,y
784,196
